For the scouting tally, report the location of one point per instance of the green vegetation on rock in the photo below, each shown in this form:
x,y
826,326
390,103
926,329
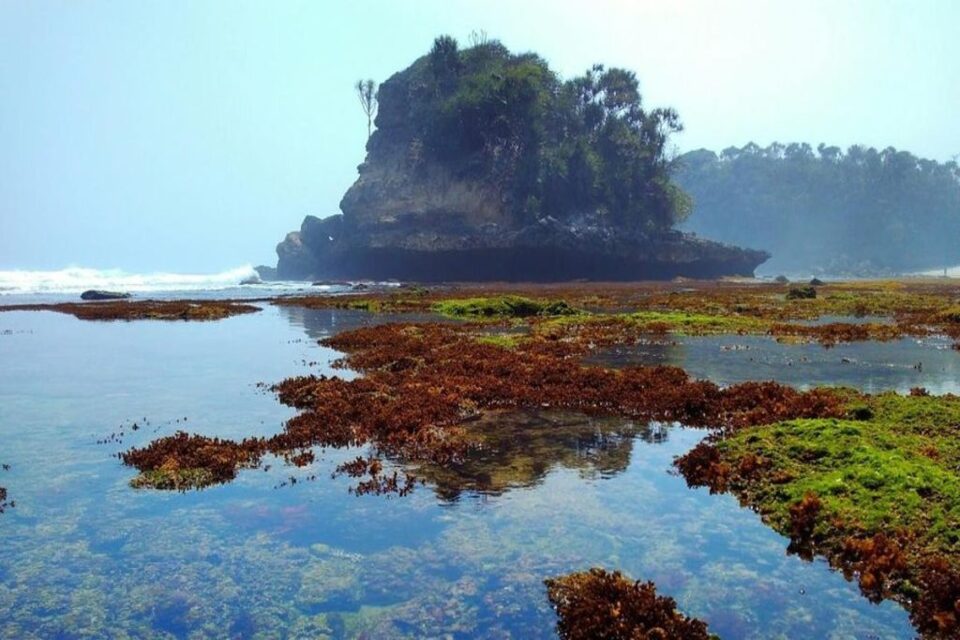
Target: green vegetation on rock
x,y
508,306
587,144
864,211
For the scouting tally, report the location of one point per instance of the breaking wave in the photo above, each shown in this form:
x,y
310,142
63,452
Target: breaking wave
x,y
78,279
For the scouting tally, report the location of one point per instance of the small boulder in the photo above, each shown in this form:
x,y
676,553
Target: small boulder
x,y
781,279
99,294
816,282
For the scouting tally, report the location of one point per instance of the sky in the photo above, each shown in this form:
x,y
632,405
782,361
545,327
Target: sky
x,y
192,136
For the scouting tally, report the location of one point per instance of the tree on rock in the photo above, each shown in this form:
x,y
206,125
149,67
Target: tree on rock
x,y
367,92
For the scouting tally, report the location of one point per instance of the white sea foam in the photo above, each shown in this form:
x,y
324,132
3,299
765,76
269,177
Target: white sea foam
x,y
78,279
951,272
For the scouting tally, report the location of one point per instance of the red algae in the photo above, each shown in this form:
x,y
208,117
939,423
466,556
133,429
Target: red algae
x,y
937,611
878,562
145,309
602,605
183,461
422,382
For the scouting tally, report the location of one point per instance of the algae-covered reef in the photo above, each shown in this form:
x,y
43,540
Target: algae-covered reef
x,y
877,493
486,166
602,605
621,313
423,381
868,481
144,309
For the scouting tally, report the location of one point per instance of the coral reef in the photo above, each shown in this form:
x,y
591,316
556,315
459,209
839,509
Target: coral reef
x,y
601,605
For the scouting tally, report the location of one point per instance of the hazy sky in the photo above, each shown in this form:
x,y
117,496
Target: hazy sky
x,y
191,136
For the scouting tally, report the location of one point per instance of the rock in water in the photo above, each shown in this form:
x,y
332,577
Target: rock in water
x,y
266,273
440,198
99,294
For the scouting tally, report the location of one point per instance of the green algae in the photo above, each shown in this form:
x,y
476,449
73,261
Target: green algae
x,y
174,479
884,490
687,323
507,306
873,473
504,340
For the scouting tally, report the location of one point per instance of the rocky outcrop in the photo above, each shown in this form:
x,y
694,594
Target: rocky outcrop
x,y
415,216
99,294
426,224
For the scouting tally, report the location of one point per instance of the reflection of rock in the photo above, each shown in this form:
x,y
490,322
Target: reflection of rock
x,y
518,449
323,323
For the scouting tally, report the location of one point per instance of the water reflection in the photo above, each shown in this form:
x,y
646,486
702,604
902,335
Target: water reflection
x,y
323,323
519,448
898,365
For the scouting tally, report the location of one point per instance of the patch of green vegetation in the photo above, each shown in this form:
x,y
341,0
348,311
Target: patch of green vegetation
x,y
178,479
894,468
505,340
880,301
698,323
502,307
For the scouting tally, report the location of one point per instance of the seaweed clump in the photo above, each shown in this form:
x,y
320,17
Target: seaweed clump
x,y
602,605
506,306
184,461
145,309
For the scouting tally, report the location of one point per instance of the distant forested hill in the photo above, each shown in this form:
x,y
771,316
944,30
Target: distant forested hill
x,y
824,210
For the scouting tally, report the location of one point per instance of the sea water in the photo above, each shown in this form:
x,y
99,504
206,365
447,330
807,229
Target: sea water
x,y
84,555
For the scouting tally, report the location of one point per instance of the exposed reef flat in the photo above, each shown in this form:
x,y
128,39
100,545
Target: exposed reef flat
x,y
144,309
615,313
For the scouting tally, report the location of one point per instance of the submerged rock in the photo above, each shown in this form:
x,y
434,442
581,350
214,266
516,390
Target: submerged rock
x,y
100,294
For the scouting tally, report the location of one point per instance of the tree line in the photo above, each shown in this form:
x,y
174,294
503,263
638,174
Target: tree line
x,y
862,210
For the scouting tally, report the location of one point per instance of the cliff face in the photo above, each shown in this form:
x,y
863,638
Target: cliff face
x,y
416,213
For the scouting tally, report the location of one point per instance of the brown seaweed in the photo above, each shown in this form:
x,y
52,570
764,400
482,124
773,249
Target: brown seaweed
x,y
145,309
423,381
602,605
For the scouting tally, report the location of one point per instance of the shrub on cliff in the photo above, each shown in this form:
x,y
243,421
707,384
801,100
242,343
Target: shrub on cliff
x,y
561,148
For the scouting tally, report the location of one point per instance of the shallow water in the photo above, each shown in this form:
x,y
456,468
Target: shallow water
x,y
898,365
84,555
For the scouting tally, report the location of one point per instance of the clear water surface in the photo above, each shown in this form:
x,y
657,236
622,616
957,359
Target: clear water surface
x,y
82,555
